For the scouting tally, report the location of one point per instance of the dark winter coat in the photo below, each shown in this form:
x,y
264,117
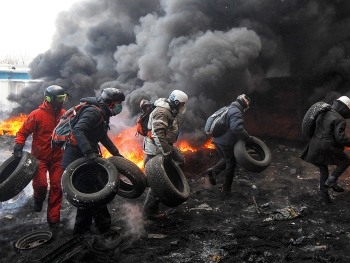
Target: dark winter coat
x,y
327,144
235,130
90,129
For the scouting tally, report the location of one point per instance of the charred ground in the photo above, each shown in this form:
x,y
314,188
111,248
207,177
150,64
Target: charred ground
x,y
273,216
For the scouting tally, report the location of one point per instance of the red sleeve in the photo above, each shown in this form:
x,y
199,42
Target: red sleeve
x,y
26,129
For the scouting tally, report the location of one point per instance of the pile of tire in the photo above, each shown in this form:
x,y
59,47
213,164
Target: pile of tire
x,y
16,174
109,177
254,156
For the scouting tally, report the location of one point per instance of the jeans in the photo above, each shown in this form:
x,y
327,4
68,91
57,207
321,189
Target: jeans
x,y
226,165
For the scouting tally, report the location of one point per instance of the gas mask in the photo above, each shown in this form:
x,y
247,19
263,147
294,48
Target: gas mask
x,y
117,109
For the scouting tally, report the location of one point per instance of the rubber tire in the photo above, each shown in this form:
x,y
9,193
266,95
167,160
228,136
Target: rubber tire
x,y
101,197
242,151
168,182
16,174
178,157
138,180
309,121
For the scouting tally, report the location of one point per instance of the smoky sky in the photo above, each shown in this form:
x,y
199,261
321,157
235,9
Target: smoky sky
x,y
213,50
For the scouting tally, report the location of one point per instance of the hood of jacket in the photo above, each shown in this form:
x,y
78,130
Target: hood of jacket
x,y
162,102
48,107
341,108
237,105
99,103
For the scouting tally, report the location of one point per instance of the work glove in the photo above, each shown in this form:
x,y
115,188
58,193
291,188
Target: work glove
x,y
91,157
17,150
168,158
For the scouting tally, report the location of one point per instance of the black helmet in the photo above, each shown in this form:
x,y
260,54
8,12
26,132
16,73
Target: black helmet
x,y
144,104
242,99
110,95
54,93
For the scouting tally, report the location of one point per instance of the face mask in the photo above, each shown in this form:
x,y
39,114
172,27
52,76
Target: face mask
x,y
182,109
117,109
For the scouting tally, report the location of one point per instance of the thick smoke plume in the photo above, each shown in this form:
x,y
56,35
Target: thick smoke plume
x,y
211,49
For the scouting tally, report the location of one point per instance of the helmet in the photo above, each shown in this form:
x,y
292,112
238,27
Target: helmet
x,y
178,96
244,101
345,100
110,95
144,104
55,93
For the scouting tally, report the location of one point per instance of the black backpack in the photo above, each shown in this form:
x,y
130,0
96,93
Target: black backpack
x,y
216,124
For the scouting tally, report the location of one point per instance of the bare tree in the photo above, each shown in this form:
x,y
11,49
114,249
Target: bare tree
x,y
22,59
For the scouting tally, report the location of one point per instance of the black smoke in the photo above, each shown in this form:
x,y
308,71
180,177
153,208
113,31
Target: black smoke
x,y
211,49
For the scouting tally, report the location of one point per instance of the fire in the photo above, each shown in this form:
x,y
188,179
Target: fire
x,y
209,145
129,145
11,125
184,146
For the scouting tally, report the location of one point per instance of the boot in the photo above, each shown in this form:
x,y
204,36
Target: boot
x,y
38,206
331,182
211,175
151,207
325,197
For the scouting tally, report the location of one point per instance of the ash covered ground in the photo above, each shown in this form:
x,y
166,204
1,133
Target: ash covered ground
x,y
272,216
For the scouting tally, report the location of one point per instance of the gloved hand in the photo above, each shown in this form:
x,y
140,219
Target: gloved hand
x,y
250,139
168,158
17,150
91,157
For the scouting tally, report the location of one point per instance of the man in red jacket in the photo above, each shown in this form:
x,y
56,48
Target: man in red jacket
x,y
40,124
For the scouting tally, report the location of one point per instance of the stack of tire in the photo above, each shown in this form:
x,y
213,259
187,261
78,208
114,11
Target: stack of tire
x,y
114,176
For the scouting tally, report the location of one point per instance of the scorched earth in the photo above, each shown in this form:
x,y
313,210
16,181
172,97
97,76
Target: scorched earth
x,y
272,216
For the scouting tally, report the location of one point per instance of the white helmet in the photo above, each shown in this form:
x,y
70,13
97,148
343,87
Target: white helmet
x,y
345,100
179,96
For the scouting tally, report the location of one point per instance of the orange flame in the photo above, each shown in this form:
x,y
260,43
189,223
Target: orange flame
x,y
209,145
11,125
129,145
184,146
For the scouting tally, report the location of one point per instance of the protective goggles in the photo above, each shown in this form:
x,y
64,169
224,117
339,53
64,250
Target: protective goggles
x,y
60,98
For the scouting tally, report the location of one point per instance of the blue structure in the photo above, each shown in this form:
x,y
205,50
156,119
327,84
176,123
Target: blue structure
x,y
13,79
12,73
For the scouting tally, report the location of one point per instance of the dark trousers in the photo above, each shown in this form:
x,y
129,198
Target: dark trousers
x,y
226,165
342,165
84,217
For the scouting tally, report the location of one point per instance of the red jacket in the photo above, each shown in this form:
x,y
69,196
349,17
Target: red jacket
x,y
41,123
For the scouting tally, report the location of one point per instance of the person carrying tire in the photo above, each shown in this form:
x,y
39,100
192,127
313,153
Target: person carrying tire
x,y
89,130
326,146
164,126
225,143
40,124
